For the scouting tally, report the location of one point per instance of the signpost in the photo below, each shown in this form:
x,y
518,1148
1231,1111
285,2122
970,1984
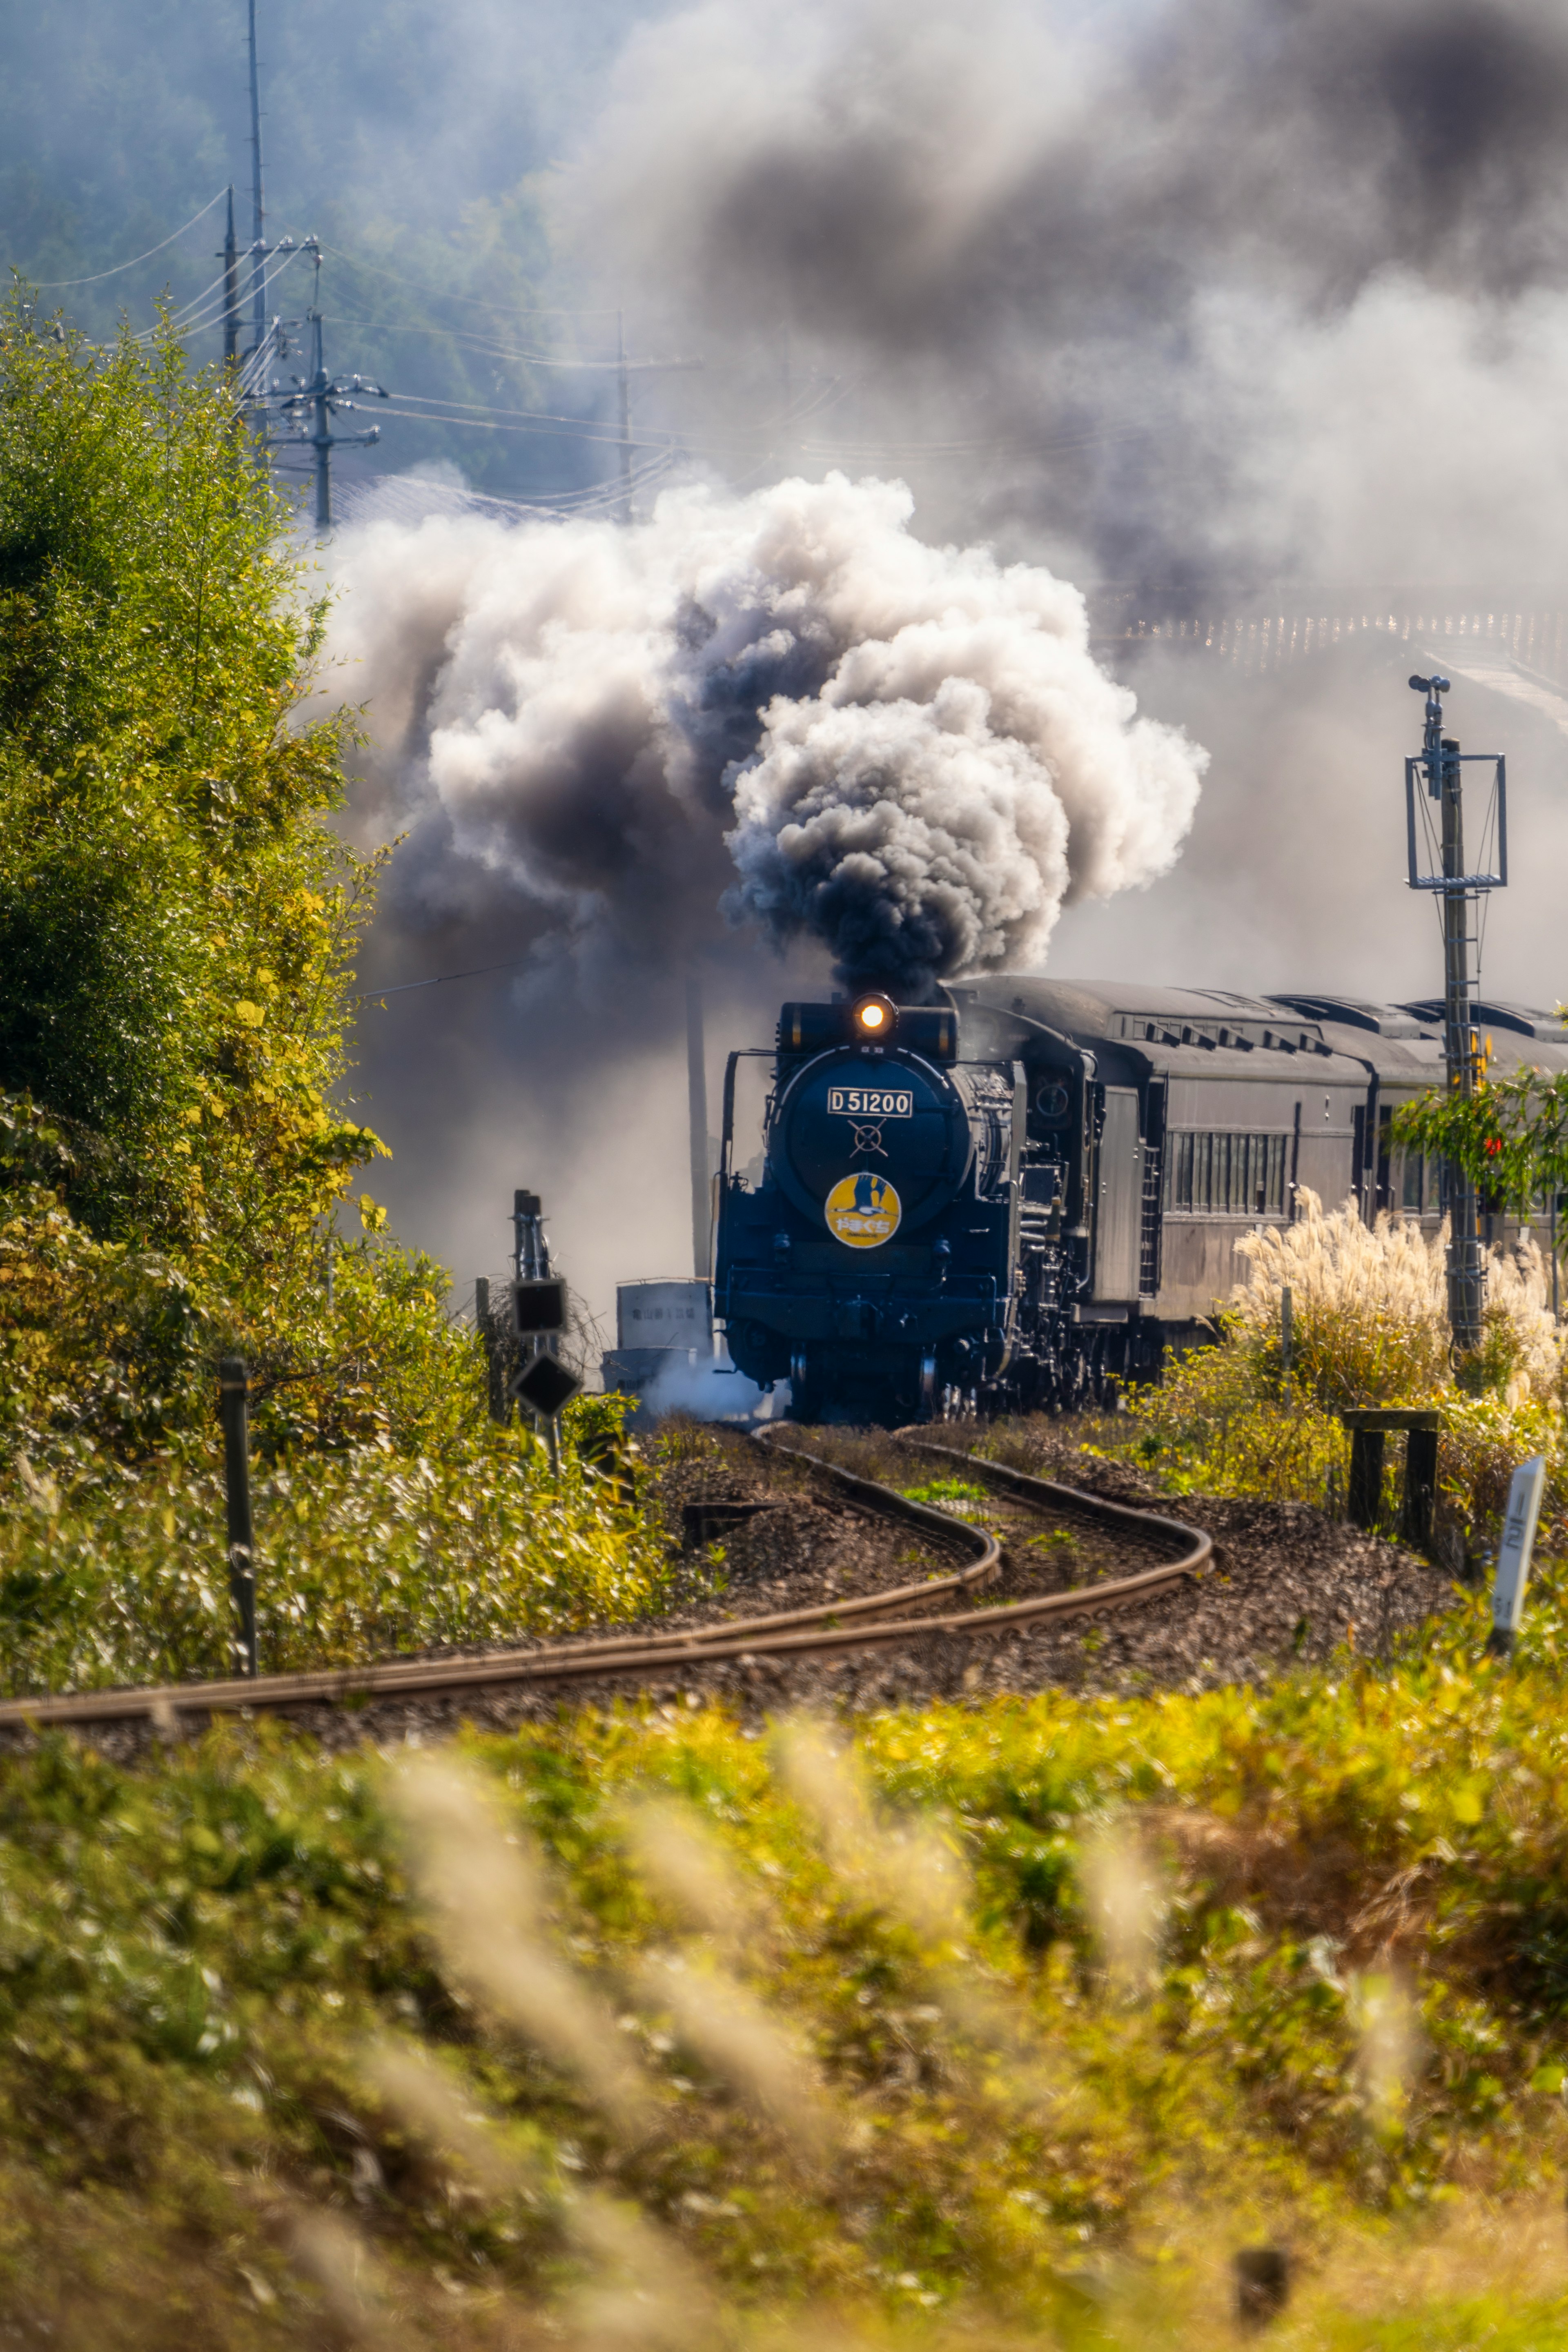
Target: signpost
x,y
538,1306
1513,1555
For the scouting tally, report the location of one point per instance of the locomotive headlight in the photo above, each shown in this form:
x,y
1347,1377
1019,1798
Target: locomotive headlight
x,y
874,1016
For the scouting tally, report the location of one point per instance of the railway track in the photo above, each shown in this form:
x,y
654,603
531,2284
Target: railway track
x,y
944,1607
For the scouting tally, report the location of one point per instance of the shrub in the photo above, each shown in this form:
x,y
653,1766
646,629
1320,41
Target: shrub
x,y
1369,1328
177,924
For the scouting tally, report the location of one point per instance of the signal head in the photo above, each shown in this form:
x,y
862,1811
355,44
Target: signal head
x,y
874,1016
1430,686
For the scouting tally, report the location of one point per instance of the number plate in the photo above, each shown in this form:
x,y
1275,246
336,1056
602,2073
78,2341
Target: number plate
x,y
872,1102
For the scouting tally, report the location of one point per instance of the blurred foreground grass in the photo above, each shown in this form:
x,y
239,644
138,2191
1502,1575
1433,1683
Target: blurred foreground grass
x,y
1007,2023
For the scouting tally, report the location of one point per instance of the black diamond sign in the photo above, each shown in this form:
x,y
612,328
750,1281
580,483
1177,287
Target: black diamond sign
x,y
546,1385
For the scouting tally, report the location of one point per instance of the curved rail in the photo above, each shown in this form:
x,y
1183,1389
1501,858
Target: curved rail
x,y
817,1631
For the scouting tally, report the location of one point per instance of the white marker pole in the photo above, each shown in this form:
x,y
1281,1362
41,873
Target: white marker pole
x,y
1513,1554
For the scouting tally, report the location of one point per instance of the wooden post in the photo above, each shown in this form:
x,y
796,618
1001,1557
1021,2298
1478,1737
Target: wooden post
x,y
1287,1334
1262,2284
1369,1426
1365,1503
495,1368
233,1396
1418,1518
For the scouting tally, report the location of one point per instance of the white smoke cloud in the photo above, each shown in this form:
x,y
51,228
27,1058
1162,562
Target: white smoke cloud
x,y
908,750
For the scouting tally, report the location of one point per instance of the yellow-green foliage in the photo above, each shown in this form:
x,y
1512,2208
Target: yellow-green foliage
x,y
110,1575
1369,1328
107,1344
1017,2019
177,923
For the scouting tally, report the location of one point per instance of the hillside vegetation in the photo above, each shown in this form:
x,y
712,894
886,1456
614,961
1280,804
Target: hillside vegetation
x,y
178,924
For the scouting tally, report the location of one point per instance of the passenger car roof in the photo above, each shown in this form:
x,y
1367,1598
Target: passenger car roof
x,y
1167,1028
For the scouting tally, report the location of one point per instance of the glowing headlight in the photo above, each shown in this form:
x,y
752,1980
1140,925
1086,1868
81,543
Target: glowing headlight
x,y
875,1017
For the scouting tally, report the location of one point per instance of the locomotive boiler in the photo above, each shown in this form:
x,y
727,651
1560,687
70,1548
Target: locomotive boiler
x,y
1020,1195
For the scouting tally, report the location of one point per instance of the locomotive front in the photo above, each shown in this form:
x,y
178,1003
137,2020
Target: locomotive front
x,y
869,1262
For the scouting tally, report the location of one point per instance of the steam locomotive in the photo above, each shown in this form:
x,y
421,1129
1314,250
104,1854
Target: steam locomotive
x,y
1020,1196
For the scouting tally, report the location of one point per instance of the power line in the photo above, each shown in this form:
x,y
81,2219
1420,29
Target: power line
x,y
525,358
49,285
501,310
555,428
404,987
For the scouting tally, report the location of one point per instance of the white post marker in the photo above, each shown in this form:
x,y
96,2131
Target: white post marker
x,y
1513,1554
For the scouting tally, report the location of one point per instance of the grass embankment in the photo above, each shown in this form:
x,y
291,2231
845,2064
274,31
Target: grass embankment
x,y
1018,2020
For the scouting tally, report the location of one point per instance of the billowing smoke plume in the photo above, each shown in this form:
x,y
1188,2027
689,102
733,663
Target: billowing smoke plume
x,y
1171,283
907,752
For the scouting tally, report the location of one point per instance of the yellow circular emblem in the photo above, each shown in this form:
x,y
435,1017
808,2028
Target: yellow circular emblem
x,y
863,1210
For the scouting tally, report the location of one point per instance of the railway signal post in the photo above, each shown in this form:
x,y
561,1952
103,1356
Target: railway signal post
x,y
539,1314
1440,765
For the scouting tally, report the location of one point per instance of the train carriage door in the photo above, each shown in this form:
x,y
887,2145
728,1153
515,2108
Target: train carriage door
x,y
1119,1197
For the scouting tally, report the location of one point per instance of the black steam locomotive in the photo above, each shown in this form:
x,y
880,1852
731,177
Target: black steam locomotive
x,y
1018,1196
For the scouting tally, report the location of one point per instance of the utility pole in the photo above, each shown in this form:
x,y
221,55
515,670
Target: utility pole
x,y
255,359
1441,764
257,212
308,411
625,371
230,259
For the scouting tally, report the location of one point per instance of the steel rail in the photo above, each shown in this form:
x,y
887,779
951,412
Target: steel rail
x,y
816,1631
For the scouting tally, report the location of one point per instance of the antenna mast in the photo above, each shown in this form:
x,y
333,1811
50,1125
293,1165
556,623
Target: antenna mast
x,y
1441,764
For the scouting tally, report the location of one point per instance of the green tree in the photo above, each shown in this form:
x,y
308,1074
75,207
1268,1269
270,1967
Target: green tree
x,y
177,921
1510,1137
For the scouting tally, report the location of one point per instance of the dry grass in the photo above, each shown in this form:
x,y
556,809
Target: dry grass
x,y
1369,1328
1370,1309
